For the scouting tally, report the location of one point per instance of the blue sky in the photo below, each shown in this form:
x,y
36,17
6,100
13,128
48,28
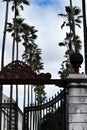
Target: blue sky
x,y
43,14
55,3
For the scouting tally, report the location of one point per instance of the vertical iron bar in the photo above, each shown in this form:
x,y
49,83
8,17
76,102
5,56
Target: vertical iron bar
x,y
28,106
23,124
31,119
16,121
1,93
55,115
10,113
58,112
4,124
49,113
35,117
66,108
7,119
52,120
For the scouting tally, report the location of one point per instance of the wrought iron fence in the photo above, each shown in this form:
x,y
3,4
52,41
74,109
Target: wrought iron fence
x,y
9,114
48,116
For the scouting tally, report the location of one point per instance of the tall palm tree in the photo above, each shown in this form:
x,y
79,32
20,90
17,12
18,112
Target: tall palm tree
x,y
15,8
16,4
73,24
33,58
72,20
16,39
71,41
85,32
4,34
2,55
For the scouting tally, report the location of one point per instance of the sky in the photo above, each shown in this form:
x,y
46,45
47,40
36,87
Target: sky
x,y
43,14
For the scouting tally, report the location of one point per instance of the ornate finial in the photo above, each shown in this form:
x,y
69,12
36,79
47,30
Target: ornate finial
x,y
76,59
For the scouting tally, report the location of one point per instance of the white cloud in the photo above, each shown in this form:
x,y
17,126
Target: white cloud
x,y
47,22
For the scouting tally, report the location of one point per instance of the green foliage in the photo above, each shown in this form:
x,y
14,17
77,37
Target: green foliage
x,y
72,41
77,18
40,94
25,34
32,55
19,4
64,70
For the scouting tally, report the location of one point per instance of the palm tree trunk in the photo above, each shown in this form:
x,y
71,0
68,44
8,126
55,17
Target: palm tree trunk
x,y
10,113
13,49
85,33
73,25
13,44
15,36
71,3
4,35
15,33
17,51
2,59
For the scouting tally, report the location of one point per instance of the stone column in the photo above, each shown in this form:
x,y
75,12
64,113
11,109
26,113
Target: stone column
x,y
77,103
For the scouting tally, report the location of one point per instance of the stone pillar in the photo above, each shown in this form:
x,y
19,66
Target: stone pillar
x,y
77,103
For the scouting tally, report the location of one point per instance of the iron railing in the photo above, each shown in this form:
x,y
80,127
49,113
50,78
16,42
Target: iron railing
x,y
48,116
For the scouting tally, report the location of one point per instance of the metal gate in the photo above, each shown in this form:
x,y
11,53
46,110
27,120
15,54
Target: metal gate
x,y
9,119
48,116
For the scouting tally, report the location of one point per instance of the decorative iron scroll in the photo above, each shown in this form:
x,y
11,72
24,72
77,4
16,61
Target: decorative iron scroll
x,y
20,70
17,70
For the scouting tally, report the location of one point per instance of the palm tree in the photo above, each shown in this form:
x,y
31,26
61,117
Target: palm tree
x,y
71,41
85,33
68,22
40,94
2,55
72,21
18,30
4,34
16,4
73,24
32,55
26,35
15,8
34,59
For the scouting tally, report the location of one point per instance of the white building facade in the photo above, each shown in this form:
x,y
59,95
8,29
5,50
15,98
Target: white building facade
x,y
9,117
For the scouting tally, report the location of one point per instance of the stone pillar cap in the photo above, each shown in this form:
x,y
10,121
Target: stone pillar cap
x,y
77,76
77,80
